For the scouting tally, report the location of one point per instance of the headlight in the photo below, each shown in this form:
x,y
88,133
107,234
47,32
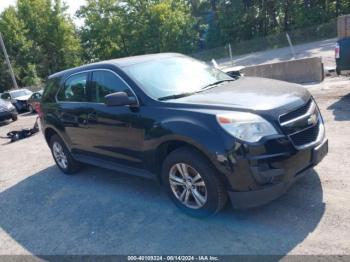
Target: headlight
x,y
246,126
10,106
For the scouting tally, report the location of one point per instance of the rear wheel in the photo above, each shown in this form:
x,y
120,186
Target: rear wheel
x,y
63,157
192,183
14,117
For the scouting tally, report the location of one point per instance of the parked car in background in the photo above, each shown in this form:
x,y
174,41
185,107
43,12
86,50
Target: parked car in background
x,y
342,56
204,135
19,98
34,101
7,111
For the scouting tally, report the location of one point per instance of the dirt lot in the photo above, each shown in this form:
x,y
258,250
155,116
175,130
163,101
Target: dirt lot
x,y
102,212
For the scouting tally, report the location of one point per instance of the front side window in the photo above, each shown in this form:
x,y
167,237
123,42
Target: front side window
x,y
74,89
176,75
105,83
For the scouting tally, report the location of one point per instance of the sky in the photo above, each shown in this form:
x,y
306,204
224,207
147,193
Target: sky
x,y
72,4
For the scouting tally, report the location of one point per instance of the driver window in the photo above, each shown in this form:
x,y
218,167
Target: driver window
x,y
105,83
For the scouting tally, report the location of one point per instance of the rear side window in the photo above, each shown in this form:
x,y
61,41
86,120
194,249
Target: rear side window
x,y
74,89
105,83
36,96
50,90
5,96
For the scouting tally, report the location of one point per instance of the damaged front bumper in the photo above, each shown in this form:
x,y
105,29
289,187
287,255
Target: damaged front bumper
x,y
278,177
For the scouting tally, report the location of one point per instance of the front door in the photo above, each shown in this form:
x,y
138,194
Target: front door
x,y
116,131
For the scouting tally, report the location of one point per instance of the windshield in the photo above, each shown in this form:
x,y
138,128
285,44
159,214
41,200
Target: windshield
x,y
18,93
174,76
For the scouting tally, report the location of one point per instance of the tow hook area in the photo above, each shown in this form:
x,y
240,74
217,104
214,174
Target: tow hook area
x,y
264,174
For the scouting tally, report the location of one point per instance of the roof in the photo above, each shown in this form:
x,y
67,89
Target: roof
x,y
120,62
14,90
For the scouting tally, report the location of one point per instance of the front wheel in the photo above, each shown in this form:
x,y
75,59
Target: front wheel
x,y
63,157
192,183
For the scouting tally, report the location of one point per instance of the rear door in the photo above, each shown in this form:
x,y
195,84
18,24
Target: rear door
x,y
73,111
116,132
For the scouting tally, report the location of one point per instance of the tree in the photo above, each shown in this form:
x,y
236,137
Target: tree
x,y
40,39
53,31
19,48
120,28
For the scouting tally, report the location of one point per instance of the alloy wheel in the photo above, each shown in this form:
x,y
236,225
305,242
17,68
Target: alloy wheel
x,y
188,185
59,155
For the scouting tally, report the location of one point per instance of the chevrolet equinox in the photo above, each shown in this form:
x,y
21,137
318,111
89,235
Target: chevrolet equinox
x,y
205,136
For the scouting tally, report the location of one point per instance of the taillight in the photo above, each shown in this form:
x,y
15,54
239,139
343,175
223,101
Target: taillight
x,y
38,110
337,51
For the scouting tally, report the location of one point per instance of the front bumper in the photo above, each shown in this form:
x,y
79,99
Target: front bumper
x,y
21,105
289,171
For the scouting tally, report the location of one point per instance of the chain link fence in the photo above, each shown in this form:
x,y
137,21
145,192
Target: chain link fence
x,y
298,36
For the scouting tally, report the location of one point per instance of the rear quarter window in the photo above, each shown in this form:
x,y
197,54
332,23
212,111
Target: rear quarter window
x,y
50,90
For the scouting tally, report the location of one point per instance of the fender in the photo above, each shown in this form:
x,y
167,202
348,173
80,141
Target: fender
x,y
190,131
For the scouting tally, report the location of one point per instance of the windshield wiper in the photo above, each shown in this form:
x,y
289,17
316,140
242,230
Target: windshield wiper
x,y
191,93
176,96
215,84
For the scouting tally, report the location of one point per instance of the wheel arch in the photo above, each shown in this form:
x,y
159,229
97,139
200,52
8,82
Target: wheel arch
x,y
167,147
50,131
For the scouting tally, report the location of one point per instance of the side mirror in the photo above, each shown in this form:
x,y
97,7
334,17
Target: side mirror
x,y
120,99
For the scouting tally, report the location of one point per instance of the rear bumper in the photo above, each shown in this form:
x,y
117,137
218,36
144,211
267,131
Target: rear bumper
x,y
271,191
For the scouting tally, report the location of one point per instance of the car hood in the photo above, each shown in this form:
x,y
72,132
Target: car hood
x,y
22,98
251,93
4,103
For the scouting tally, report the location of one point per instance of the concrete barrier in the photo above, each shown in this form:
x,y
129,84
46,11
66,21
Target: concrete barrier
x,y
305,70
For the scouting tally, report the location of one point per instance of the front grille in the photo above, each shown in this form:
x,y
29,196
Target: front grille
x,y
302,125
305,137
294,114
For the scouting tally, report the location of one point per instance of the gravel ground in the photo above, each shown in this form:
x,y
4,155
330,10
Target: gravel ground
x,y
44,212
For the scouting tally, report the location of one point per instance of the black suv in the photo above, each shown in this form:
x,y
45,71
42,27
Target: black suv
x,y
202,134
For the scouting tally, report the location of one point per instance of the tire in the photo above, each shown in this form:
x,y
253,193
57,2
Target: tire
x,y
63,158
338,71
212,191
14,118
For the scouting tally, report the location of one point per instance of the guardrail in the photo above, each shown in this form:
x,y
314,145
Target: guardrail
x,y
304,70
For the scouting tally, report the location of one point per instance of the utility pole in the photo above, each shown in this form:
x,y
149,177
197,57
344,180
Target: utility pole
x,y
290,44
230,53
8,62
